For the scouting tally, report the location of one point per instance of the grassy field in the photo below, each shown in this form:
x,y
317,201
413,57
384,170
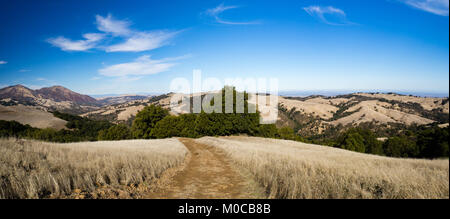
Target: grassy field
x,y
108,169
288,169
280,168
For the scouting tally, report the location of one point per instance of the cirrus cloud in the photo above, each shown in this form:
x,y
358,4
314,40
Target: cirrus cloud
x,y
438,7
132,40
3,62
143,65
111,25
142,41
329,15
215,12
65,44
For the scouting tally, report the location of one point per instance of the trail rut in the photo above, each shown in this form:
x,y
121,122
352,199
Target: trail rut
x,y
208,175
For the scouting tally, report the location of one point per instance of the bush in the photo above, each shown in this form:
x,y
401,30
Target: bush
x,y
268,131
168,127
187,125
13,129
400,146
360,140
117,132
286,133
433,142
146,120
82,128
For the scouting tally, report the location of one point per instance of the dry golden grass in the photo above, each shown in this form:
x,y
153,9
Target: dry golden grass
x,y
32,116
288,169
374,110
32,169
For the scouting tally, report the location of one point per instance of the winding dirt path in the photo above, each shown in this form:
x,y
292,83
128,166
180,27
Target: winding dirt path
x,y
207,175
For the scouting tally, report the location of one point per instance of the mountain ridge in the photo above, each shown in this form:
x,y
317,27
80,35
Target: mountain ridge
x,y
314,114
55,93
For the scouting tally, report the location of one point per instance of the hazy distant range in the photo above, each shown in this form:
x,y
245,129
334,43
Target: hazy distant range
x,y
305,93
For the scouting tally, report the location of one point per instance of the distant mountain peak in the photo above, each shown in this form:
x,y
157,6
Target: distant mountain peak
x,y
56,93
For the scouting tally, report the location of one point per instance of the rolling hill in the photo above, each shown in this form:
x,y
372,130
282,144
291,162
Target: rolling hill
x,y
309,115
54,93
31,116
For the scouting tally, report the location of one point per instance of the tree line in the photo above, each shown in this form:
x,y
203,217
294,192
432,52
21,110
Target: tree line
x,y
419,142
155,122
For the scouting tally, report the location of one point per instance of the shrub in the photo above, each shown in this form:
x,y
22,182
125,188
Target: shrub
x,y
146,120
360,140
168,127
268,131
117,132
13,129
187,125
433,142
286,133
400,146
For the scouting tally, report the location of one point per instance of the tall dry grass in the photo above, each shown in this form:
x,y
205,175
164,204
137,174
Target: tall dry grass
x,y
288,169
32,169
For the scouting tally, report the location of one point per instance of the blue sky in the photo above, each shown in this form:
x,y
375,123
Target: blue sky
x,y
104,47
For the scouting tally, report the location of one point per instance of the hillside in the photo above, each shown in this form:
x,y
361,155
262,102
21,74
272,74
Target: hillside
x,y
121,169
294,170
125,111
308,116
48,99
212,167
316,114
54,93
119,99
59,93
32,116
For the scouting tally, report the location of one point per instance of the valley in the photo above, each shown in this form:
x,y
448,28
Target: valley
x,y
307,116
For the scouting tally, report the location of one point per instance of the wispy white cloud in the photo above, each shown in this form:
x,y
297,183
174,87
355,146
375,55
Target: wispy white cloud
x,y
89,42
3,62
95,78
142,41
111,25
438,7
24,70
329,15
143,65
133,40
215,13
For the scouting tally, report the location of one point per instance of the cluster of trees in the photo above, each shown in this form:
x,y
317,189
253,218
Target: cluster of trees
x,y
156,122
78,129
116,132
360,140
421,142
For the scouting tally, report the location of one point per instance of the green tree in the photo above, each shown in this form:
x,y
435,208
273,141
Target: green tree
x,y
146,119
360,140
13,129
351,140
117,132
354,142
187,125
168,127
400,146
268,131
286,133
433,142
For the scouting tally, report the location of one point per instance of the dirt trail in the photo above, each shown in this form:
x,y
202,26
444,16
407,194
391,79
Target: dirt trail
x,y
208,175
